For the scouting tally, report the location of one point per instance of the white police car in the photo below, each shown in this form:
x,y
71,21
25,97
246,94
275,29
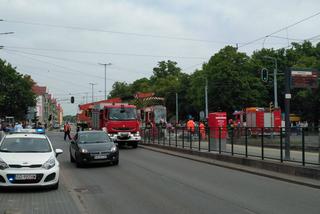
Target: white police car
x,y
28,159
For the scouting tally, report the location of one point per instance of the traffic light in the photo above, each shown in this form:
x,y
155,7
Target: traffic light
x,y
72,99
264,74
271,106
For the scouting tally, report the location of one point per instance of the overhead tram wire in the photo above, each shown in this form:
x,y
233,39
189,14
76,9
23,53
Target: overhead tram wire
x,y
69,70
308,39
281,29
72,60
117,32
106,53
46,74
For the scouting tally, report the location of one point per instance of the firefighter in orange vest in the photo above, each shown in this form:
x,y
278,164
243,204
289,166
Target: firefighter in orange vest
x,y
190,125
202,129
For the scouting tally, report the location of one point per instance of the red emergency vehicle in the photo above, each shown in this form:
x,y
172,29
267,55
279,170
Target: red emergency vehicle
x,y
119,120
84,116
152,111
259,120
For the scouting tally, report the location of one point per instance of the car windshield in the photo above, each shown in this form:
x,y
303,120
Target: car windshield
x,y
25,145
94,137
122,114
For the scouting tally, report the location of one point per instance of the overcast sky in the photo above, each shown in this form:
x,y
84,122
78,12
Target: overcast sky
x,y
60,43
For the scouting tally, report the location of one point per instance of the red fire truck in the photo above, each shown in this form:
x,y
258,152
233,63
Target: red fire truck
x,y
119,120
259,120
84,116
152,111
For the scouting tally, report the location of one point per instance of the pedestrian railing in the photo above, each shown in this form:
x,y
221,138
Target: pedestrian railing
x,y
262,143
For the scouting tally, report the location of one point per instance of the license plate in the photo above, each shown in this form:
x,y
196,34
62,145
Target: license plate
x,y
100,157
26,177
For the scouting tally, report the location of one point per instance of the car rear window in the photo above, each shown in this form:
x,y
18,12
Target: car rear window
x,y
94,137
25,145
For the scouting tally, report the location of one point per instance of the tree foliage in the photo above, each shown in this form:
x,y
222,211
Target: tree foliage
x,y
15,92
234,82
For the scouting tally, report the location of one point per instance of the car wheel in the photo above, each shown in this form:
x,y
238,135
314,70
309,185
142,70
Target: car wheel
x,y
55,186
71,158
135,145
116,162
78,162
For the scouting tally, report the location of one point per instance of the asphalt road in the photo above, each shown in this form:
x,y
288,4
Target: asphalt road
x,y
150,182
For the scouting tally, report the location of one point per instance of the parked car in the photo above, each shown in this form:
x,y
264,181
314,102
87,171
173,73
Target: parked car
x,y
93,147
28,159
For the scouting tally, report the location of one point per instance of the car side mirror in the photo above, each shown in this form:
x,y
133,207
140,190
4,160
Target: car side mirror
x,y
117,145
58,152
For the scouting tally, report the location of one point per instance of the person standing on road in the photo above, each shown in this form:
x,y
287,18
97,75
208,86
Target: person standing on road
x,y
18,127
191,127
67,130
202,130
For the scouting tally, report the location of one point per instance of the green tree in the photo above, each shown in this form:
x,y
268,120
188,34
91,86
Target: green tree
x,y
120,89
231,84
15,92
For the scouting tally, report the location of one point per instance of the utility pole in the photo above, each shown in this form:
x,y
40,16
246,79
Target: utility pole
x,y
287,114
275,82
177,109
105,78
206,97
87,97
92,84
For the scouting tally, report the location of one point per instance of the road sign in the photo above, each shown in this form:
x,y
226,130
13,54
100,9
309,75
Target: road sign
x,y
304,78
201,115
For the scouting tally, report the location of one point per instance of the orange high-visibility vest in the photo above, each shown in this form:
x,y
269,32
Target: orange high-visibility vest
x,y
190,126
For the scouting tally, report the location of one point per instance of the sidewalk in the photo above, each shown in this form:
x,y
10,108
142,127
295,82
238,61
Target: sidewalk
x,y
289,172
312,158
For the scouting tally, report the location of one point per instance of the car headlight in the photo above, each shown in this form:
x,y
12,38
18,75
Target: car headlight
x,y
110,135
84,151
113,148
137,134
3,165
51,162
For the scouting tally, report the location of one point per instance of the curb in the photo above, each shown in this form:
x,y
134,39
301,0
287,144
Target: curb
x,y
259,169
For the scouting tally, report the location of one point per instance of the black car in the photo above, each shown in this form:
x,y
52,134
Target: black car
x,y
93,147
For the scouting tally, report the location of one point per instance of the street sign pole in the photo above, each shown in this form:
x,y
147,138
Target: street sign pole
x,y
287,114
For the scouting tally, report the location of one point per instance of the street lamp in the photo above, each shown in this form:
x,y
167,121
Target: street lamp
x,y
105,78
275,87
92,84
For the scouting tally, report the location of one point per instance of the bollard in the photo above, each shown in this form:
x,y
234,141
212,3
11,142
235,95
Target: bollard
x,y
159,132
281,145
164,137
209,148
246,140
319,145
183,137
219,140
262,143
176,136
232,151
199,148
303,149
190,140
169,137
